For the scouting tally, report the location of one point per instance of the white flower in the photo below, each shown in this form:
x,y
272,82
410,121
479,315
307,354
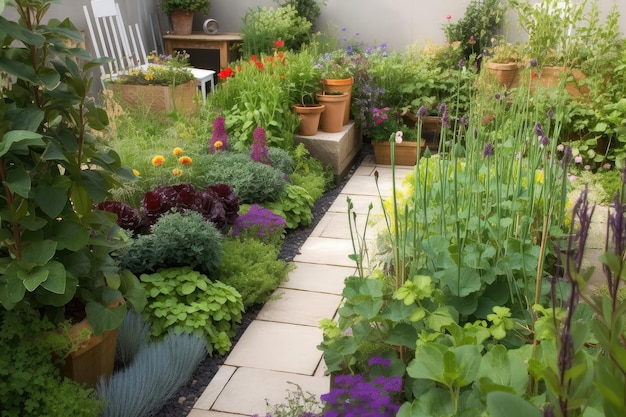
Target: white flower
x,y
399,136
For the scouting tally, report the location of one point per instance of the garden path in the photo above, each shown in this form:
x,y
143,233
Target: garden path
x,y
279,347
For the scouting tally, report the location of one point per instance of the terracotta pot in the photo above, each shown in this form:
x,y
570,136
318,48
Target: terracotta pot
x,y
309,118
331,120
158,98
94,358
182,22
552,76
342,86
506,74
406,153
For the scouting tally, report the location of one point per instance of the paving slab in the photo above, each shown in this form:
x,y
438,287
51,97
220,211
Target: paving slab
x,y
299,307
278,347
335,225
360,204
249,389
318,278
215,388
326,251
207,413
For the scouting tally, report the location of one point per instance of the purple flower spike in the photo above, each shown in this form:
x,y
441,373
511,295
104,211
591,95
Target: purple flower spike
x,y
422,112
464,120
533,62
545,141
550,113
443,108
538,130
497,96
259,146
488,151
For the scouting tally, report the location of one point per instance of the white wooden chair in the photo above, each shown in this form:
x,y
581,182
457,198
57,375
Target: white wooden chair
x,y
126,49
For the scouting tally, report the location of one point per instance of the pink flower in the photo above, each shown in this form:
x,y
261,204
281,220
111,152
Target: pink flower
x,y
448,17
399,136
578,159
560,147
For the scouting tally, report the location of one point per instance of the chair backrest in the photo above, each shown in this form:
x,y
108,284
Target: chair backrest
x,y
110,39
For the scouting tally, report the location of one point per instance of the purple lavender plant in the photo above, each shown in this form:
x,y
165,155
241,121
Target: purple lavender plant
x,y
260,221
259,146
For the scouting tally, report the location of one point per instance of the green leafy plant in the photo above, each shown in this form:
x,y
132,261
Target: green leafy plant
x,y
252,268
186,301
301,78
162,70
177,239
263,26
30,382
309,9
56,247
199,6
294,205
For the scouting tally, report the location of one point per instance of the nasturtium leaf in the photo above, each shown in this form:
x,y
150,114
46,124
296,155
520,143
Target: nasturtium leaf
x,y
39,252
33,278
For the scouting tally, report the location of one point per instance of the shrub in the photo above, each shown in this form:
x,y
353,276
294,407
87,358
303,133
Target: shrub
x,y
30,382
295,206
253,182
158,371
265,25
177,239
281,160
186,301
252,268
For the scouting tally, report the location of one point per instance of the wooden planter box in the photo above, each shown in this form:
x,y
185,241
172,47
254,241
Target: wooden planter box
x,y
158,98
406,153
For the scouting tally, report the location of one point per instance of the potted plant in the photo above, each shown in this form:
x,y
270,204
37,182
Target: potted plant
x,y
338,68
165,84
503,63
181,13
56,248
303,80
387,122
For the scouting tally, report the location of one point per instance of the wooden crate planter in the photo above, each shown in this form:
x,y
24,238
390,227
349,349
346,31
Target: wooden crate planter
x,y
158,98
406,153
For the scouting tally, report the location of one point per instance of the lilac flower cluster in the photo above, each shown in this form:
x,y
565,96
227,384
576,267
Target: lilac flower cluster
x,y
259,219
358,396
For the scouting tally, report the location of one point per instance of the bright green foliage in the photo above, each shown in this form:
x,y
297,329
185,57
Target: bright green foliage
x,y
254,182
252,268
295,206
262,26
177,239
55,247
30,382
186,301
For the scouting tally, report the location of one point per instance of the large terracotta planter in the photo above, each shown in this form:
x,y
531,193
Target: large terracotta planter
x,y
506,74
182,22
552,76
331,120
158,98
94,358
342,86
406,153
309,118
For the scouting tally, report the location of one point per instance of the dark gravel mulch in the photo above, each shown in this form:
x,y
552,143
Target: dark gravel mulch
x,y
183,401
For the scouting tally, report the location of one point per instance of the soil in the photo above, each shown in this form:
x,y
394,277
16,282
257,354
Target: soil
x,y
181,403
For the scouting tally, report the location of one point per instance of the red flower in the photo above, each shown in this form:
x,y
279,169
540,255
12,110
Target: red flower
x,y
259,65
254,58
534,75
448,17
488,118
279,43
225,73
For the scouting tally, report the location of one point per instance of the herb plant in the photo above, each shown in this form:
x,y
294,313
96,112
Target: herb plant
x,y
186,301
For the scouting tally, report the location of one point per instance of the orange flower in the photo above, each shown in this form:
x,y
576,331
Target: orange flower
x,y
135,173
177,151
158,160
184,160
218,144
177,171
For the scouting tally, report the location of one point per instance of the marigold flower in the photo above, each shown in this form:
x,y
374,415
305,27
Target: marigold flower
x,y
177,171
177,151
149,76
158,160
184,160
218,145
135,173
